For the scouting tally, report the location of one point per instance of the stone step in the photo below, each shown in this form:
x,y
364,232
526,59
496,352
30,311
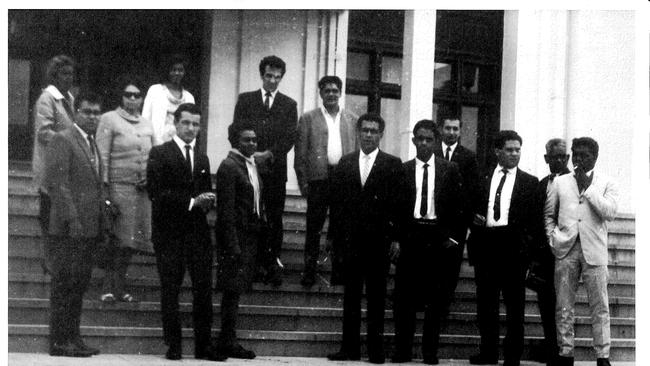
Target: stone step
x,y
144,340
36,286
260,317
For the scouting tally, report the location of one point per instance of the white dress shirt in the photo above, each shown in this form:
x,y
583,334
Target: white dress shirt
x,y
181,145
334,145
506,196
271,97
253,178
370,159
431,179
451,152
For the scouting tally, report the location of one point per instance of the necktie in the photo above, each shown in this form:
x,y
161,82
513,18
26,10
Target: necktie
x,y
68,108
497,197
366,169
188,159
425,192
267,100
447,157
93,152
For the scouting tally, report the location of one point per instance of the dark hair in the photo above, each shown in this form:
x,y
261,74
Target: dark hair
x,y
426,124
330,79
186,107
125,80
587,142
55,64
88,96
506,135
235,130
169,62
274,62
372,117
446,111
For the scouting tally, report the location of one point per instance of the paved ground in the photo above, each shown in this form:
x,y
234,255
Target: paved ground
x,y
39,359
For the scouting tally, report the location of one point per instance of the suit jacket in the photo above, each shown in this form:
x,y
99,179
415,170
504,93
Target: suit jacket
x,y
569,214
371,212
466,160
170,188
446,195
275,129
311,145
75,187
542,251
521,217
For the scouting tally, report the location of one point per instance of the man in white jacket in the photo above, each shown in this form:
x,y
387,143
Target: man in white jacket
x,y
577,208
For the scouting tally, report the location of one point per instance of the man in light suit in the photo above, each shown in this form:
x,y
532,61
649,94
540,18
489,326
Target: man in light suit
x,y
576,211
324,135
179,185
502,232
433,230
274,116
364,229
73,180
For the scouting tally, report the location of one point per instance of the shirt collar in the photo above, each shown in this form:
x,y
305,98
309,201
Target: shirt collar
x,y
372,155
327,114
237,152
56,93
82,132
181,144
420,163
510,171
453,147
273,93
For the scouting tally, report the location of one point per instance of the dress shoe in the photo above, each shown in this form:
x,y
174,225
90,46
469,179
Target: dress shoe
x,y
431,360
308,279
237,351
343,356
210,354
602,362
174,353
480,359
80,343
401,358
511,363
68,350
377,359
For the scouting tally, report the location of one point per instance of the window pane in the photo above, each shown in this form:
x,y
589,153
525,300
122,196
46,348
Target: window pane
x,y
358,104
358,66
391,70
469,131
477,79
390,109
443,77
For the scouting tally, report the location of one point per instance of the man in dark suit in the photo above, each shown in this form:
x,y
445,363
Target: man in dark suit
x,y
363,231
504,227
178,181
240,225
542,258
432,232
324,135
73,180
450,149
274,116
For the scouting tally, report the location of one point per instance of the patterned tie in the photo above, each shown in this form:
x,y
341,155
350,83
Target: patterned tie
x,y
497,197
93,153
447,157
425,192
188,159
366,169
267,100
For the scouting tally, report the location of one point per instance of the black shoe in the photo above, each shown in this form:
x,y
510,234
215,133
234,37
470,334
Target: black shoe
x,y
210,354
377,359
68,350
80,343
343,356
308,279
174,353
480,359
511,363
401,358
238,351
431,360
602,362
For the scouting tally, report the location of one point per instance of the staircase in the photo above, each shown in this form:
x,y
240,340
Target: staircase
x,y
288,321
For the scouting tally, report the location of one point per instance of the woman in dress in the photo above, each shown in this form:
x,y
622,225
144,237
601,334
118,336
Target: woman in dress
x,y
163,99
124,138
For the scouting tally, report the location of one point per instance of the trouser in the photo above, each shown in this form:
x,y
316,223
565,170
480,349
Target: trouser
x,y
567,274
500,268
229,313
318,201
273,196
44,221
71,271
115,271
173,257
426,277
546,304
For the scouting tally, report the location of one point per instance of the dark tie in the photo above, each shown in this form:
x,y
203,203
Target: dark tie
x,y
267,100
188,159
497,196
93,152
447,157
425,191
68,108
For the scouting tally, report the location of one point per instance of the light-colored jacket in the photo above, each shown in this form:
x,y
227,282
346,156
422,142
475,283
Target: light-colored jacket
x,y
159,107
569,214
50,117
311,145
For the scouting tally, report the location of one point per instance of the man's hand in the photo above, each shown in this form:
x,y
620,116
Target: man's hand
x,y
394,251
479,220
584,181
205,200
265,155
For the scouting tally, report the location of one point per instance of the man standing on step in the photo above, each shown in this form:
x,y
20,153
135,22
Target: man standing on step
x,y
324,135
274,116
576,211
502,231
73,181
364,228
427,256
180,188
542,264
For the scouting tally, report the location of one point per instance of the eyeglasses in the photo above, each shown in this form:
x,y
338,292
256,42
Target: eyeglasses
x,y
134,95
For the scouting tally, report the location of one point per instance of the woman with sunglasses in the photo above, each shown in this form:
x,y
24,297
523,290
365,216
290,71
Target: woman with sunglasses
x,y
124,139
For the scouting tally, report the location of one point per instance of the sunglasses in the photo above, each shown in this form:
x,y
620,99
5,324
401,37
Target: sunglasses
x,y
134,95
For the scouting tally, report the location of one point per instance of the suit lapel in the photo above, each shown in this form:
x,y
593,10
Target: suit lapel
x,y
410,182
437,184
83,145
374,170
